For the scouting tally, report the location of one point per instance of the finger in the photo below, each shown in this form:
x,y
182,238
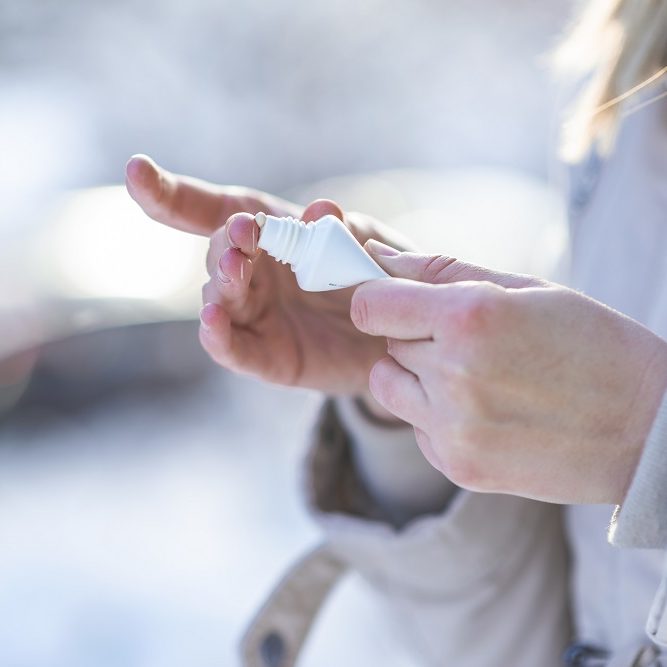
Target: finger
x,y
395,308
229,346
215,334
239,232
233,273
321,207
190,204
440,269
229,287
398,391
242,233
182,202
218,243
415,356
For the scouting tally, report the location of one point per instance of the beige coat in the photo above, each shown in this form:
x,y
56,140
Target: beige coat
x,y
485,580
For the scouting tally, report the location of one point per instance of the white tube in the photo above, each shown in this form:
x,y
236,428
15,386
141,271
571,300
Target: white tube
x,y
324,254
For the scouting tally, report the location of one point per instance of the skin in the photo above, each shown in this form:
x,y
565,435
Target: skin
x,y
255,319
512,384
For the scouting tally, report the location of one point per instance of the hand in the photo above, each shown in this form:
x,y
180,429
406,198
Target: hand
x,y
256,320
513,384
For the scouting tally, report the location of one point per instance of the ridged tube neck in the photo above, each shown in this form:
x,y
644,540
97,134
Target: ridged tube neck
x,y
286,239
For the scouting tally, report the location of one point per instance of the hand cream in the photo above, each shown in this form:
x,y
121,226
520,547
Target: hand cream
x,y
324,254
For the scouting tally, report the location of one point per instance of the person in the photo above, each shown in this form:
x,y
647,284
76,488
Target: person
x,y
465,404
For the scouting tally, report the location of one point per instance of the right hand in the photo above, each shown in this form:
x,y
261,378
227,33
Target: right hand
x,y
256,320
514,384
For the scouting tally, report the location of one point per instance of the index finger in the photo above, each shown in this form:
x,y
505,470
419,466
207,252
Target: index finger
x,y
182,202
190,204
396,308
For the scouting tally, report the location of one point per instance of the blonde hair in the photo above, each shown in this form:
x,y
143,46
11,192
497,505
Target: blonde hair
x,y
620,47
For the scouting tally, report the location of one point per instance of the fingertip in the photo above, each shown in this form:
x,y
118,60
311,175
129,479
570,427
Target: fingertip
x,y
378,380
362,291
373,378
377,249
243,233
139,166
211,316
321,207
141,175
140,158
368,288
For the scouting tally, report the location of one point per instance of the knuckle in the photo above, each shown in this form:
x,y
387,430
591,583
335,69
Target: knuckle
x,y
463,458
473,314
479,310
439,269
463,469
465,393
465,432
469,437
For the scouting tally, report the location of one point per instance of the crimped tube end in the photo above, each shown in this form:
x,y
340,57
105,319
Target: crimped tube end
x,y
260,219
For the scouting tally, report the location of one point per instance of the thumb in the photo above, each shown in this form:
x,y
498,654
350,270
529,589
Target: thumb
x,y
438,269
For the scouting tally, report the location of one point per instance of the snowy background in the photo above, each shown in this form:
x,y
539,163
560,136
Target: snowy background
x,y
144,509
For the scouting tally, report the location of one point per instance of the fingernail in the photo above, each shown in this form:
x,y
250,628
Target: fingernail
x,y
381,249
255,237
221,275
204,314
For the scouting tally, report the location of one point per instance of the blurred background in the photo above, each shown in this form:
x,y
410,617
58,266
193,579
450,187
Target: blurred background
x,y
144,511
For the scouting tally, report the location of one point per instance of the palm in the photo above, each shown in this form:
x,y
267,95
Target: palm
x,y
306,339
277,331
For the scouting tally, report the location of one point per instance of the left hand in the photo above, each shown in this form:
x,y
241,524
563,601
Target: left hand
x,y
513,384
256,319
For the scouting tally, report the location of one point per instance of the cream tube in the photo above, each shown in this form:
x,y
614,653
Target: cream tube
x,y
324,254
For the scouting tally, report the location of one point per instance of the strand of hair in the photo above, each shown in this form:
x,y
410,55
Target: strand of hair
x,y
621,98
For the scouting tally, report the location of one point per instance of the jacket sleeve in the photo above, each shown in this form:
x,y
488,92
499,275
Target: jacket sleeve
x,y
473,580
400,483
641,522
